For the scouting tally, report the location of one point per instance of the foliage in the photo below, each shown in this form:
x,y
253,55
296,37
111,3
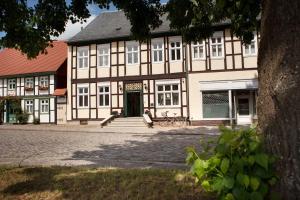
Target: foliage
x,y
22,117
30,28
36,121
238,168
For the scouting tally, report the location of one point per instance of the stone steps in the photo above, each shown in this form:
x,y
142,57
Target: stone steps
x,y
129,122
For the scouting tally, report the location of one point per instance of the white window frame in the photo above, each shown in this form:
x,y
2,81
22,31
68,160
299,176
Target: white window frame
x,y
11,84
29,103
163,83
103,94
29,82
44,81
133,44
44,103
198,46
101,54
217,35
249,46
175,48
83,94
85,64
153,43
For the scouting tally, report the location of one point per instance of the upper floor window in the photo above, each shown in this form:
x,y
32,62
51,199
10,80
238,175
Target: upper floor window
x,y
251,49
83,97
44,105
83,57
168,94
29,83
216,45
11,84
44,82
104,95
157,51
198,50
132,53
175,50
29,106
104,57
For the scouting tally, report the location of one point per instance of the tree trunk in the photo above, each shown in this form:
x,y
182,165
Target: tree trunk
x,y
279,90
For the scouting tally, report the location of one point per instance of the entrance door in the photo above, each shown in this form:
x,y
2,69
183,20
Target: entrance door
x,y
11,113
133,104
243,110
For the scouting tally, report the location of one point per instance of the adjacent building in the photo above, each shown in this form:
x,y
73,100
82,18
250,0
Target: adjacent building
x,y
208,82
33,83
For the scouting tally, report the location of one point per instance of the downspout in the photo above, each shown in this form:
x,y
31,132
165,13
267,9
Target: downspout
x,y
187,84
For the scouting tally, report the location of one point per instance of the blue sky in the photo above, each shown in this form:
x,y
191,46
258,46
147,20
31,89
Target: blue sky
x,y
72,29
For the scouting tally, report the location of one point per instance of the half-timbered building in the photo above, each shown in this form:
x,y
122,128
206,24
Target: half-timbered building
x,y
32,82
208,82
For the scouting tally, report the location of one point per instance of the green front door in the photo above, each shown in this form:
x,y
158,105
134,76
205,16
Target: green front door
x,y
133,100
10,113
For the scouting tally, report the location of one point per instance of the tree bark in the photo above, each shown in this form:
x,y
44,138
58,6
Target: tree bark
x,y
279,90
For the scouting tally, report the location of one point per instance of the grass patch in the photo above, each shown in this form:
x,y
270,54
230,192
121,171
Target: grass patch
x,y
97,183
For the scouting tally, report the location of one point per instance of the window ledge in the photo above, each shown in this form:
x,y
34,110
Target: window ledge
x,y
217,58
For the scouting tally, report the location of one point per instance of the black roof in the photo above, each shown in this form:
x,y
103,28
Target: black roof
x,y
111,25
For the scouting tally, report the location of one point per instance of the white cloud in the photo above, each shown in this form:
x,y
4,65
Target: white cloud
x,y
73,29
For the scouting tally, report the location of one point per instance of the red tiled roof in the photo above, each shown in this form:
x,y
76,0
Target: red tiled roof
x,y
13,62
60,92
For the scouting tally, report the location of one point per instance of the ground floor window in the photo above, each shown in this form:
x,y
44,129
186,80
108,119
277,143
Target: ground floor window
x,y
168,94
29,106
215,104
44,106
83,96
104,95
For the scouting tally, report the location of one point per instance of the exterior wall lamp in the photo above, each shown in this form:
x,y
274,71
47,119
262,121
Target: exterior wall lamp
x,y
145,86
120,88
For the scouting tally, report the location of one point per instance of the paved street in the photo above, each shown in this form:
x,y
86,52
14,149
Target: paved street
x,y
52,145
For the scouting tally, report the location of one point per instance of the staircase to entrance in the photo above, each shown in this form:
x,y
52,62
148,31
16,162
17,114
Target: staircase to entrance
x,y
127,122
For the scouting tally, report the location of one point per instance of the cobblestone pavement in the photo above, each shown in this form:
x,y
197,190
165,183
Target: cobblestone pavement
x,y
45,146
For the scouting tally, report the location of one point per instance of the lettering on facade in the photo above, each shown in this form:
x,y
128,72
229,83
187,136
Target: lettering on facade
x,y
133,86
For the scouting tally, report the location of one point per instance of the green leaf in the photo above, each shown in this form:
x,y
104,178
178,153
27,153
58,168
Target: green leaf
x,y
243,179
262,160
229,196
251,160
272,181
253,145
217,184
198,169
256,196
228,182
254,183
225,165
206,185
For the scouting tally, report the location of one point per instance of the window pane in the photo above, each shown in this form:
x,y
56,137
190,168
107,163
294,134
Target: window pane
x,y
172,44
85,90
101,100
106,89
106,99
160,88
215,104
173,54
80,62
155,56
175,98
168,99
175,87
167,87
101,89
178,54
161,99
177,44
136,57
160,56
195,52
86,100
80,100
130,58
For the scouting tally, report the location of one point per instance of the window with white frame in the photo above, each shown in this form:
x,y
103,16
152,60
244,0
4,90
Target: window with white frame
x,y
132,53
29,106
44,81
104,55
104,95
11,84
215,104
157,51
251,49
83,97
216,45
168,94
29,82
44,105
83,57
175,50
198,50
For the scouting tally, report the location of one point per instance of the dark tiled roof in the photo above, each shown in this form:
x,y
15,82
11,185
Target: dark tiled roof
x,y
13,62
109,25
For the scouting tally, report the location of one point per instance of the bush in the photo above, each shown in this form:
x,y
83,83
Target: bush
x,y
36,121
238,167
22,118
